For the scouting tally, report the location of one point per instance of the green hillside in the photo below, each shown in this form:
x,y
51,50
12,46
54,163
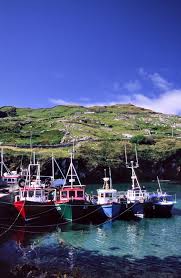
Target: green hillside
x,y
94,130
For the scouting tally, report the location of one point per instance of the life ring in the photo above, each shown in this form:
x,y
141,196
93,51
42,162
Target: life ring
x,y
21,183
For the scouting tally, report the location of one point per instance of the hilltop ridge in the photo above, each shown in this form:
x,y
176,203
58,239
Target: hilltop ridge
x,y
62,124
99,134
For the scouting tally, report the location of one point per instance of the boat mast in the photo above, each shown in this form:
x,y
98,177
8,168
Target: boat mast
x,y
71,173
132,166
2,162
110,177
53,168
71,170
159,185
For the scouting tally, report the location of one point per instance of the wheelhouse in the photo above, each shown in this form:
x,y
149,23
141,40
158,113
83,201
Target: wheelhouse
x,y
36,195
136,195
106,196
67,194
10,179
161,198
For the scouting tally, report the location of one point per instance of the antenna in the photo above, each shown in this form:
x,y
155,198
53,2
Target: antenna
x,y
73,150
105,173
31,145
53,168
110,177
159,184
137,164
2,162
34,158
125,152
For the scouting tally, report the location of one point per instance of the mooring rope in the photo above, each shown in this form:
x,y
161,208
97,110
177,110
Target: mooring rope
x,y
13,222
113,218
70,221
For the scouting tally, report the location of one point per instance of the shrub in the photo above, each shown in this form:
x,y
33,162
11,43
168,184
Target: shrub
x,y
141,139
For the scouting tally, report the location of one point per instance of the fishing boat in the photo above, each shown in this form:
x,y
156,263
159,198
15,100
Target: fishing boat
x,y
106,201
71,202
8,177
35,200
136,196
162,203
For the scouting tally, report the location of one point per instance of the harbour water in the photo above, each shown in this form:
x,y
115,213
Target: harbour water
x,y
135,248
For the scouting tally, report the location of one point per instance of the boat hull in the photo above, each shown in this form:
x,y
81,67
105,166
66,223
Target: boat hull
x,y
162,210
135,209
37,212
158,210
108,211
75,211
112,210
7,210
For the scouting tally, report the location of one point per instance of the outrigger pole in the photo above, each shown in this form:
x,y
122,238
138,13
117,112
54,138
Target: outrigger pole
x,y
132,167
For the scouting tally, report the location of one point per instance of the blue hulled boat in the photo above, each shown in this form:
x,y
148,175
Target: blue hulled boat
x,y
106,201
161,203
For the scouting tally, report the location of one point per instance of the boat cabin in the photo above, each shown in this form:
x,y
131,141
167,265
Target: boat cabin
x,y
11,178
36,194
106,196
136,195
67,194
161,198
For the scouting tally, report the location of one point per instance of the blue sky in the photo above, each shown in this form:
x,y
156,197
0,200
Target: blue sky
x,y
91,52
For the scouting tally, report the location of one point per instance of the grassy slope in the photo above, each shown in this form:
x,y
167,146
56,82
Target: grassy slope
x,y
65,123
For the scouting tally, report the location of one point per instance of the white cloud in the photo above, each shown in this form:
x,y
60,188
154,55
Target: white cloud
x,y
160,82
61,102
132,86
157,80
169,102
83,103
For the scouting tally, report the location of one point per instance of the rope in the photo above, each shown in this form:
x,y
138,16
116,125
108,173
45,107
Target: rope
x,y
66,222
57,224
13,222
43,212
108,220
44,205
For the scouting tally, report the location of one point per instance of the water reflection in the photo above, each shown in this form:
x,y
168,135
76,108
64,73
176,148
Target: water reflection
x,y
105,246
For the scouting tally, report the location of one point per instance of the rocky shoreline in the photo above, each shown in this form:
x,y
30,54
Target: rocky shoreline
x,y
91,172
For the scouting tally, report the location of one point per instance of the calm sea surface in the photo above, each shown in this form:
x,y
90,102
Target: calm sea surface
x,y
144,248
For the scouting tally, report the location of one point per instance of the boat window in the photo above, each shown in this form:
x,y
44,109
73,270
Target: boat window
x,y
79,193
31,193
12,180
5,179
169,198
102,195
9,179
71,194
25,194
38,193
64,194
108,195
